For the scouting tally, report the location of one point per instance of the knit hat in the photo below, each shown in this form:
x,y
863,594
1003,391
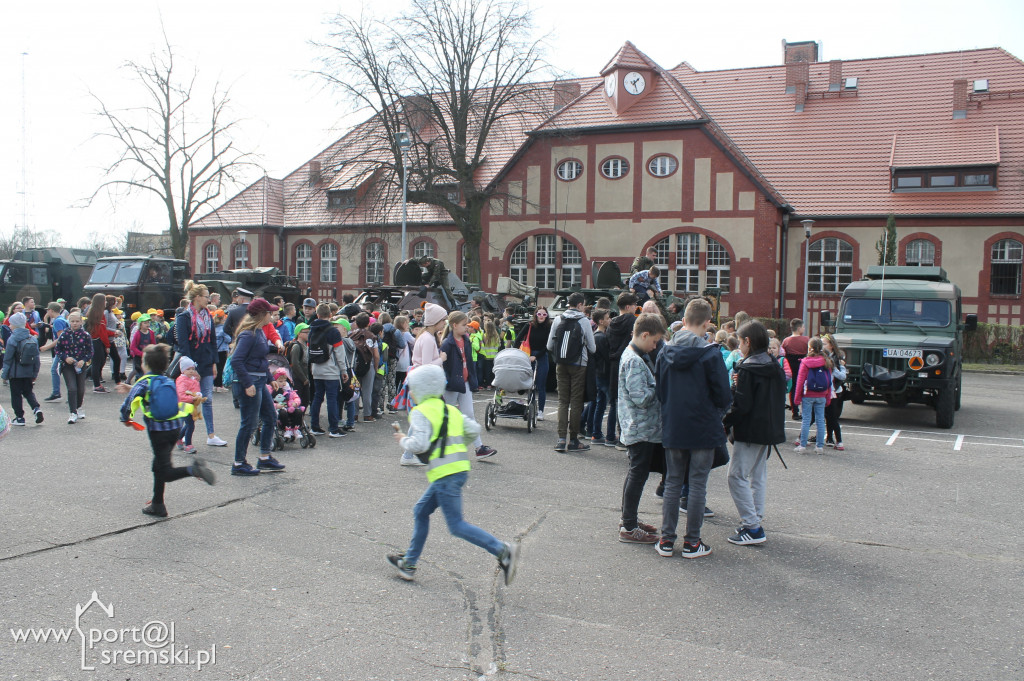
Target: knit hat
x,y
186,363
433,314
426,381
17,320
299,328
344,322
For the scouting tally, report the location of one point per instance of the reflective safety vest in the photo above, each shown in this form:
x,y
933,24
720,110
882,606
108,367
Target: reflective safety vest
x,y
185,409
475,339
489,350
455,457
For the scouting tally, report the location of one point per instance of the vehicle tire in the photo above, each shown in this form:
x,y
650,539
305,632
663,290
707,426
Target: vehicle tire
x,y
857,397
945,407
959,391
488,415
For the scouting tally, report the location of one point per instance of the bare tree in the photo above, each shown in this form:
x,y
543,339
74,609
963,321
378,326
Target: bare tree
x,y
453,75
20,239
185,158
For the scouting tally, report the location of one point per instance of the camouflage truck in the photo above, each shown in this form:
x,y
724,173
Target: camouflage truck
x,y
265,282
903,338
46,274
144,281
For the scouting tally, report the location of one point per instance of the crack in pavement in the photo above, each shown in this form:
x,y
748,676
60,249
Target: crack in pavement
x,y
909,549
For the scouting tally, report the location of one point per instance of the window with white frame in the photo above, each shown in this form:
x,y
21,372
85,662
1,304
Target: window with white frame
x,y
374,263
717,266
569,170
663,165
329,263
572,265
212,260
614,168
830,269
921,253
1005,276
463,263
545,249
304,262
241,255
423,249
661,260
517,263
688,262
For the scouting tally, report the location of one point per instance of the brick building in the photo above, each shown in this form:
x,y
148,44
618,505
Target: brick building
x,y
715,169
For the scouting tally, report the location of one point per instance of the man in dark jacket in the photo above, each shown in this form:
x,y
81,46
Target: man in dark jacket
x,y
571,372
235,315
693,387
620,333
756,421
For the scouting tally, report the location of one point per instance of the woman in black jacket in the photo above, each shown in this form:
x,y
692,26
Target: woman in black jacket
x,y
195,337
537,336
756,421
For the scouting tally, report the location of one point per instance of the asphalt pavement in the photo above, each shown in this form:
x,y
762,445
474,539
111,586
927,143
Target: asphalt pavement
x,y
898,558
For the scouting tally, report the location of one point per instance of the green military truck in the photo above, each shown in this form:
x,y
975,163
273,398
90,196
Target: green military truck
x,y
144,281
902,331
265,282
46,274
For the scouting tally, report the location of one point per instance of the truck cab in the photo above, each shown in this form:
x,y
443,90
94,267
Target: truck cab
x,y
901,330
144,281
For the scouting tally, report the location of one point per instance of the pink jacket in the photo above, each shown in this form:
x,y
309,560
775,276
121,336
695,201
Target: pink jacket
x,y
426,351
800,390
185,383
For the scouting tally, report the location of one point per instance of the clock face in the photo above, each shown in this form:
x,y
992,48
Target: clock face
x,y
634,83
609,84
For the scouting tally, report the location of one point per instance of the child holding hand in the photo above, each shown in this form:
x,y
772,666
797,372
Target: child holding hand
x,y
188,390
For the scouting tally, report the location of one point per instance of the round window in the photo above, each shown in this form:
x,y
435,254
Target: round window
x,y
569,170
662,166
614,168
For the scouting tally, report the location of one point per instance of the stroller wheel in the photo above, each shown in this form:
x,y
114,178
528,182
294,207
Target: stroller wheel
x,y
488,417
278,442
531,417
304,441
312,440
256,435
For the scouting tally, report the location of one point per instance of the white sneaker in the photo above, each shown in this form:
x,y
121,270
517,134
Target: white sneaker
x,y
819,450
412,461
540,416
215,442
73,418
798,448
81,415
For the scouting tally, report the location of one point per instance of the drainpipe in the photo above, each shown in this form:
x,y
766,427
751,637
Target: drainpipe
x,y
282,250
784,264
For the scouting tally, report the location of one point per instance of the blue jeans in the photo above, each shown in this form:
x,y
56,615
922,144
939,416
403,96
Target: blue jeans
x,y
206,388
597,408
55,376
187,429
324,387
542,381
259,407
350,414
813,406
446,492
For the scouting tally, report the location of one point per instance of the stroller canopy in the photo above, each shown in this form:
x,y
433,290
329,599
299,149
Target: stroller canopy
x,y
513,371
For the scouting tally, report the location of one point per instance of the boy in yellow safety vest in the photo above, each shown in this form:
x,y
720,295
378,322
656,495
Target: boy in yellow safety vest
x,y
440,431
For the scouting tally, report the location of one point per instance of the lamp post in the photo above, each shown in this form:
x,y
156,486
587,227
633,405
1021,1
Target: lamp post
x,y
807,262
403,142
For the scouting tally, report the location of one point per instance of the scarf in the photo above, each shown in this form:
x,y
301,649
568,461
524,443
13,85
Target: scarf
x,y
201,323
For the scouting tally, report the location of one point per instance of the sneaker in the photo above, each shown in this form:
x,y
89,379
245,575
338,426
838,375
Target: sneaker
x,y
665,547
637,536
347,429
840,447
485,452
215,442
540,415
708,513
189,449
337,433
800,449
609,442
73,418
560,446
39,416
577,446
180,444
509,562
405,571
244,469
157,510
269,464
621,447
411,461
18,422
819,450
202,471
745,536
829,443
797,416
52,398
81,415
695,550
597,441
812,438
316,430
101,389
796,442
648,528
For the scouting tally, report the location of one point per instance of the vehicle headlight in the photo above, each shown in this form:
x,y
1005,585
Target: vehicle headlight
x,y
933,359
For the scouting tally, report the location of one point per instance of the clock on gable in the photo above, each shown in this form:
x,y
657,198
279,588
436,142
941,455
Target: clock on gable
x,y
610,81
634,83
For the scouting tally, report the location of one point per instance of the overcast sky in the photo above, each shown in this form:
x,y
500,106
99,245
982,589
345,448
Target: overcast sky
x,y
263,51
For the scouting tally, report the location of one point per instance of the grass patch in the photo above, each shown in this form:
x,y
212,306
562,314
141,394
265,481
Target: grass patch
x,y
1000,368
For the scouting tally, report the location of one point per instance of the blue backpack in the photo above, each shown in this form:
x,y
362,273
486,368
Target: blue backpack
x,y
161,398
818,380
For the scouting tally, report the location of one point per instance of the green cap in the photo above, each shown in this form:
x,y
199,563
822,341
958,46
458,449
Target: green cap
x,y
144,318
299,328
344,322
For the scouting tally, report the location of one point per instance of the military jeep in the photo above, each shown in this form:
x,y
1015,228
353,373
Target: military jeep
x,y
902,334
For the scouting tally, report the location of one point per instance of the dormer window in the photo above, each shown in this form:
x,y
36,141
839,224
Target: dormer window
x,y
981,85
944,179
851,83
341,199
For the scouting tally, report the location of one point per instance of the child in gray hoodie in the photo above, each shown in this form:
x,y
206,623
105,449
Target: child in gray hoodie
x,y
21,366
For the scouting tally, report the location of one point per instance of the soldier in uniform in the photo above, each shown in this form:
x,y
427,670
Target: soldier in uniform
x,y
643,262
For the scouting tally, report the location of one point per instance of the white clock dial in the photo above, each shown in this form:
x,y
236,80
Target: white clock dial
x,y
609,84
634,83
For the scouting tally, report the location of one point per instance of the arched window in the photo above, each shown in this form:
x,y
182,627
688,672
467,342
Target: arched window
x,y
1005,276
374,263
517,263
241,255
212,260
661,260
688,262
304,262
545,246
328,263
717,266
572,265
423,249
921,253
830,269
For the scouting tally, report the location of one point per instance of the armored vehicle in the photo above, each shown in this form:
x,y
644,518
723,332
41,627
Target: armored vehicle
x,y
144,281
265,282
415,285
46,274
607,279
902,334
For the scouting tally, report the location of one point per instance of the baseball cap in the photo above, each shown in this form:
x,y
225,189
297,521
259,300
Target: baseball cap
x,y
308,302
259,305
299,328
143,318
341,321
474,325
136,315
152,311
117,311
60,300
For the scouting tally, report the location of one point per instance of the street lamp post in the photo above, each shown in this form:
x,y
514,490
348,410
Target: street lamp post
x,y
807,262
402,139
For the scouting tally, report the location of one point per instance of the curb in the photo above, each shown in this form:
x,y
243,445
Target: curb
x,y
1001,372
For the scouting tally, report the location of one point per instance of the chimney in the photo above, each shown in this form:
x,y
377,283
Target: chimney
x,y
797,72
314,173
835,75
564,91
960,98
801,96
806,50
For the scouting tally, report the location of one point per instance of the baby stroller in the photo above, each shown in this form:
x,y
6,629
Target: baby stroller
x,y
306,437
514,374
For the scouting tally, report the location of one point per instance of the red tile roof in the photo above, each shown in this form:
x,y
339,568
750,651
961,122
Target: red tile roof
x,y
628,57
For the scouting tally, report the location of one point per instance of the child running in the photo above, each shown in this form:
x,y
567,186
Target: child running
x,y
163,419
438,432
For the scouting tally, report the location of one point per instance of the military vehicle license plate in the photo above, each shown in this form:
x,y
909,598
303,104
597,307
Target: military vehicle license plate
x,y
900,353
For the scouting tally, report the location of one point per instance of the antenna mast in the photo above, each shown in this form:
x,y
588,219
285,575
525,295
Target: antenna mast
x,y
24,148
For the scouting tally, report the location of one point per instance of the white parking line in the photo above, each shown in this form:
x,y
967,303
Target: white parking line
x,y
892,438
959,443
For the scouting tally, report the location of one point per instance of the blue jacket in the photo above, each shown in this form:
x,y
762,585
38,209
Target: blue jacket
x,y
249,360
693,387
12,368
202,352
453,365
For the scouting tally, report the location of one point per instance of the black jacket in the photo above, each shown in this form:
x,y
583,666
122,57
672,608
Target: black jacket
x,y
620,333
202,351
693,387
758,412
600,362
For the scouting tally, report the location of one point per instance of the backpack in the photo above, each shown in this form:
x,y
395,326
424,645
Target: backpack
x,y
391,338
817,380
569,348
364,355
162,398
319,350
28,353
